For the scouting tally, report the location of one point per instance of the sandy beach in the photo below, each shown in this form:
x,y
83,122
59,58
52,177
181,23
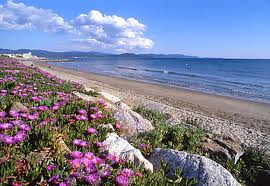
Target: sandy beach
x,y
247,121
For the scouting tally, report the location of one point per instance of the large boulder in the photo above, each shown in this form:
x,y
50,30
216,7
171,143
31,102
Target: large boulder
x,y
124,150
204,170
132,122
226,147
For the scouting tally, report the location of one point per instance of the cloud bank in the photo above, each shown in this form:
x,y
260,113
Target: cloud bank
x,y
93,30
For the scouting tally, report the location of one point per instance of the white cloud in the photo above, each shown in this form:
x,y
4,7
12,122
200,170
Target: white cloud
x,y
18,16
94,29
111,31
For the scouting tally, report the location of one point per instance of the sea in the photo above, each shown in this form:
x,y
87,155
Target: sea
x,y
239,78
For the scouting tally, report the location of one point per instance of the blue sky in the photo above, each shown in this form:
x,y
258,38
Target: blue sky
x,y
206,28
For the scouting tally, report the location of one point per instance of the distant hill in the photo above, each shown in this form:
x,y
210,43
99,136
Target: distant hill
x,y
131,55
69,54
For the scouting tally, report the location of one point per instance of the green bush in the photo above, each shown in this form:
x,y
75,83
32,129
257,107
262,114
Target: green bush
x,y
165,135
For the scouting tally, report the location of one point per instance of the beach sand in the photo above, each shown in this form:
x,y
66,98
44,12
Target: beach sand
x,y
247,121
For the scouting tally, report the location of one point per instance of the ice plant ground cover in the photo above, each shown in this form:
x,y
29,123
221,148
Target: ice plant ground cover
x,y
56,138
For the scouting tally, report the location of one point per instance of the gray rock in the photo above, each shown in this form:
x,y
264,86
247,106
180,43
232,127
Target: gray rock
x,y
110,97
204,170
124,150
107,126
132,122
17,106
88,89
226,147
91,98
85,97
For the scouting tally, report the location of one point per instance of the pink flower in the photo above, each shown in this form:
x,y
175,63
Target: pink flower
x,y
91,131
76,154
127,172
55,107
8,140
81,118
76,163
50,167
53,178
13,114
76,141
35,98
122,180
6,126
84,144
99,144
24,115
118,125
3,114
104,173
24,127
92,179
32,117
42,108
97,160
94,116
17,183
19,137
17,122
89,155
82,112
80,142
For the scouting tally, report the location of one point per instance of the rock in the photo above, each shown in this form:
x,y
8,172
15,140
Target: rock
x,y
223,146
263,178
38,157
88,89
85,97
129,102
92,99
132,122
110,97
107,126
59,144
124,150
204,170
17,106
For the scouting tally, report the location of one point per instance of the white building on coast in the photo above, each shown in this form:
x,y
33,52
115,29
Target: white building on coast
x,y
24,56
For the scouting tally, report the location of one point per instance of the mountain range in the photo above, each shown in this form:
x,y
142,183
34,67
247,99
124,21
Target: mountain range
x,y
69,54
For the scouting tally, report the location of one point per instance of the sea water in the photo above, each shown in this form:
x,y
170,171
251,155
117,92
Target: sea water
x,y
240,78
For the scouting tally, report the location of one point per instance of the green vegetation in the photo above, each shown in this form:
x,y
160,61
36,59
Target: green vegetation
x,y
57,139
190,139
246,169
167,136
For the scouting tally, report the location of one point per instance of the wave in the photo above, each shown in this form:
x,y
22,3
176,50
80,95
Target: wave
x,y
152,70
128,68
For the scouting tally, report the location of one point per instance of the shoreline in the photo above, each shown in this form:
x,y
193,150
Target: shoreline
x,y
162,84
244,119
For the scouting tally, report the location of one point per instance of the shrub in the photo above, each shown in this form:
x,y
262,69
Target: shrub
x,y
166,136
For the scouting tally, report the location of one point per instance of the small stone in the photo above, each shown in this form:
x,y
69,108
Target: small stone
x,y
225,147
17,106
